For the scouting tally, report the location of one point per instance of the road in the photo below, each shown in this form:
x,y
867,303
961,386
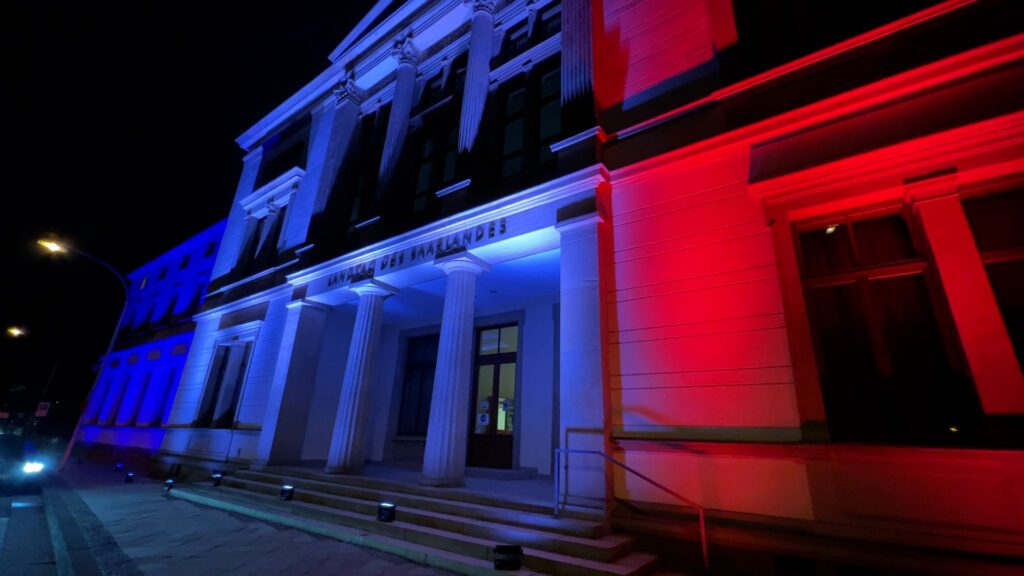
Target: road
x,y
88,522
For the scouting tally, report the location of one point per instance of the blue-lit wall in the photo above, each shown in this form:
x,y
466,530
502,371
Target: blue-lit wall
x,y
136,385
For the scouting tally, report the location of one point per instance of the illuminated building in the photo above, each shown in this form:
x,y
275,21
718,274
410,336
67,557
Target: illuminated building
x,y
126,410
766,253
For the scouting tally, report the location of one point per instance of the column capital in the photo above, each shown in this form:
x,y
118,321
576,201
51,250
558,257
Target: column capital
x,y
346,92
462,261
405,51
373,288
481,5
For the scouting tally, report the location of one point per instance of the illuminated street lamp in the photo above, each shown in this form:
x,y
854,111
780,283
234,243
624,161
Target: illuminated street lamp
x,y
16,331
54,246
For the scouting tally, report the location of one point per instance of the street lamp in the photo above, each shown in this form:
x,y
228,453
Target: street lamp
x,y
16,331
56,247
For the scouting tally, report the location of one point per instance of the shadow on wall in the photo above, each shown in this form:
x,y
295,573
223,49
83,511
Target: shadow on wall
x,y
651,57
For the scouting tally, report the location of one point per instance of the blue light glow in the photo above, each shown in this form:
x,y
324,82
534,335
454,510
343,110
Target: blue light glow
x,y
32,467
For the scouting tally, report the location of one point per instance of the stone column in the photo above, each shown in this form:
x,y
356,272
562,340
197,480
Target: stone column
x,y
398,120
986,343
444,458
478,69
582,400
284,422
347,441
335,119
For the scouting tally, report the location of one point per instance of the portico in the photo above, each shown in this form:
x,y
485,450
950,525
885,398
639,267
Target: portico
x,y
445,341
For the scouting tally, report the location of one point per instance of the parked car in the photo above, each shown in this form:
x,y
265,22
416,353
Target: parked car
x,y
21,465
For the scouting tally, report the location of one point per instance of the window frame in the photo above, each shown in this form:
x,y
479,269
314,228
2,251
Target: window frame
x,y
242,334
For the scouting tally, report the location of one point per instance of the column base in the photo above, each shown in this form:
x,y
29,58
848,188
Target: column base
x,y
442,482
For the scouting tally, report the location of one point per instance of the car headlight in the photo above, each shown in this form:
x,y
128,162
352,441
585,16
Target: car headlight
x,y
32,467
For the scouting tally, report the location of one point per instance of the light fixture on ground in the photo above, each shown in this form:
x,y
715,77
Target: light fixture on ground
x,y
386,512
508,557
168,484
118,467
287,492
216,477
129,478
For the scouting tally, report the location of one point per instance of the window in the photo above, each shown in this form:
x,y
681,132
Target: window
x,y
209,249
184,263
224,385
437,161
996,223
551,21
418,385
163,273
513,133
550,112
264,238
889,371
532,121
284,151
517,40
433,92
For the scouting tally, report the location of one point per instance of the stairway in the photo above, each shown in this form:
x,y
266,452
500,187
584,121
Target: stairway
x,y
451,529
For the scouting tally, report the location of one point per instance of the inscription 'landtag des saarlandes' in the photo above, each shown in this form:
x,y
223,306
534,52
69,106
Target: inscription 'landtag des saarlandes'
x,y
421,252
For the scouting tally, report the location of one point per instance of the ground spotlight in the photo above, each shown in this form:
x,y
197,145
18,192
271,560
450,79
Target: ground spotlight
x,y
119,466
216,477
508,557
129,478
168,484
287,492
386,512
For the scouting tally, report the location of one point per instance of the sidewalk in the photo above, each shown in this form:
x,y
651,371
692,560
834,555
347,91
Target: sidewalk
x,y
170,536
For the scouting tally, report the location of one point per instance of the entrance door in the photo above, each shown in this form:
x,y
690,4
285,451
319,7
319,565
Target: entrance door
x,y
492,414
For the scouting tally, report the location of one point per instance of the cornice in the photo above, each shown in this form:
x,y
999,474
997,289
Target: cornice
x,y
277,188
901,86
589,178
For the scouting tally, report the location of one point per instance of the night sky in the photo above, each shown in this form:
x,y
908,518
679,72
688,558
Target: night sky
x,y
119,128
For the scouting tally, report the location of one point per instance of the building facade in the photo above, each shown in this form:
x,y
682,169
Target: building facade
x,y
768,253
125,413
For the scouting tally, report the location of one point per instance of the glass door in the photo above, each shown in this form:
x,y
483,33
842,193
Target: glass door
x,y
492,414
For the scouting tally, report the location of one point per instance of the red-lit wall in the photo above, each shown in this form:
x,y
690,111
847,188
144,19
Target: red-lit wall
x,y
710,365
698,336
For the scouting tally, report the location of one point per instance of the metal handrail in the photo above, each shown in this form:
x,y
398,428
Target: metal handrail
x,y
700,509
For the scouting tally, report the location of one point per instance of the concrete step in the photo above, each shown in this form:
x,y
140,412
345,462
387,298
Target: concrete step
x,y
458,563
401,497
463,553
605,549
510,501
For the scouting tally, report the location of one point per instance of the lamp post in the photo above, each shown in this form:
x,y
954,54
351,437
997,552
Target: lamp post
x,y
56,247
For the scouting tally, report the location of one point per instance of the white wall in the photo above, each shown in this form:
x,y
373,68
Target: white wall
x,y
324,406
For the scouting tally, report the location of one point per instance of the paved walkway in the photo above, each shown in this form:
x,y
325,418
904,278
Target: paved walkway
x,y
169,536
